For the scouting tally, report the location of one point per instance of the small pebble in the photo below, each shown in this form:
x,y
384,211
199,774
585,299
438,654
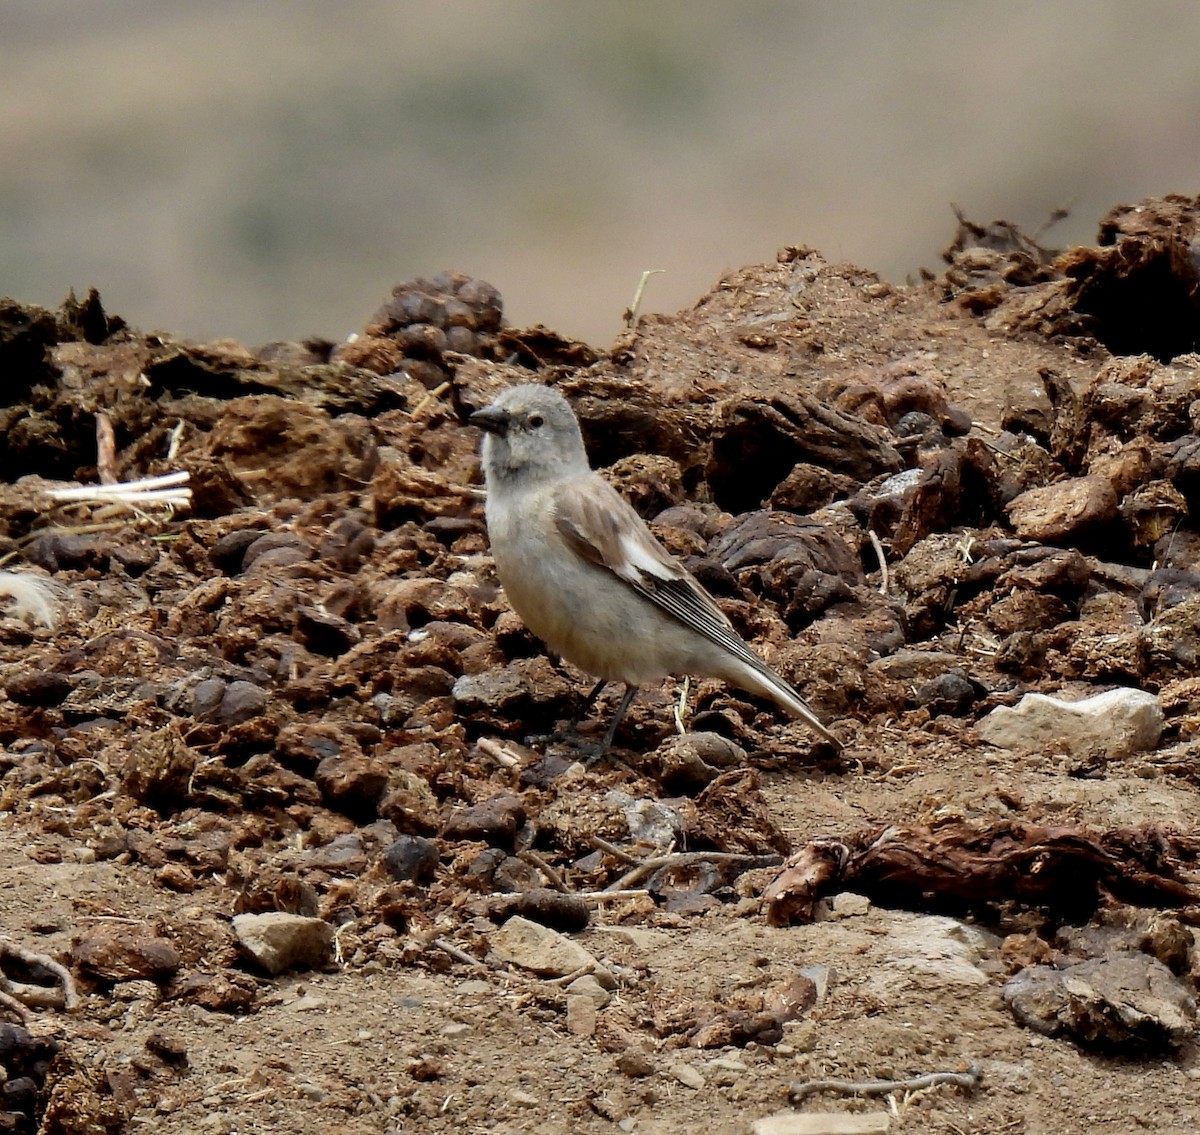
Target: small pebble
x,y
635,1064
581,1015
688,1076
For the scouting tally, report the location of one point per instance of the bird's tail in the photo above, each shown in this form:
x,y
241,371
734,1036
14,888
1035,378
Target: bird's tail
x,y
771,685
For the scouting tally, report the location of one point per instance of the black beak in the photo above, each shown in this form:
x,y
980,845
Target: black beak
x,y
492,420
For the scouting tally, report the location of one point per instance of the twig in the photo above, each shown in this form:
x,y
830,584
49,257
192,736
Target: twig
x,y
574,975
124,490
174,438
884,580
497,752
598,897
106,450
649,866
612,849
8,1001
593,897
632,314
681,705
554,878
429,399
10,949
801,1089
457,954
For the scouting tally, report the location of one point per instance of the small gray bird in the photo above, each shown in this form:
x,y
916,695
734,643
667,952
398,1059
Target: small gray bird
x,y
585,573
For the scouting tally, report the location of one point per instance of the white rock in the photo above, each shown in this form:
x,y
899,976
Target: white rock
x,y
544,951
847,904
581,1015
638,937
921,950
278,941
688,1076
1117,723
587,986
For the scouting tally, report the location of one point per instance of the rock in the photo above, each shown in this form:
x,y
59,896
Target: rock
x,y
929,947
168,1046
688,1076
352,783
325,633
792,998
206,698
278,941
225,992
240,702
634,1063
38,688
847,904
822,1123
1124,1001
411,857
515,876
649,821
1064,512
126,954
342,855
1118,723
581,1015
638,938
228,551
544,951
494,821
949,693
587,986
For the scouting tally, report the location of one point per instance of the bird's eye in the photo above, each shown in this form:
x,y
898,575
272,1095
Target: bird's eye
x,y
536,421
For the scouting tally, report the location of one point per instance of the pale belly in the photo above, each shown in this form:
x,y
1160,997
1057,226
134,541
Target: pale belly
x,y
600,624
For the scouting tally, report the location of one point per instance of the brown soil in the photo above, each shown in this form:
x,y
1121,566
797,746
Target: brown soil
x,y
246,704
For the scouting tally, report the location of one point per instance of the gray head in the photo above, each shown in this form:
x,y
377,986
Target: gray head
x,y
531,436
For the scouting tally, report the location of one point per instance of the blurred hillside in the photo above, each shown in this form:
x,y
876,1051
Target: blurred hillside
x,y
269,170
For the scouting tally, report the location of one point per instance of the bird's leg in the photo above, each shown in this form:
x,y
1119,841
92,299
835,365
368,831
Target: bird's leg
x,y
585,705
606,744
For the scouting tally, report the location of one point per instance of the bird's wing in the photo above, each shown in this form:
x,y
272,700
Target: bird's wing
x,y
602,527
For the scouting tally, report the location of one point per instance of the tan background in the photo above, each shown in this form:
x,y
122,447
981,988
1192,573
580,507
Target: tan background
x,y
270,169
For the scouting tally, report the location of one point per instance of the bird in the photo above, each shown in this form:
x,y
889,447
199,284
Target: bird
x,y
588,577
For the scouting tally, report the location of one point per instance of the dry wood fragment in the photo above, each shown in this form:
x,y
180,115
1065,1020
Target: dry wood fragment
x,y
802,1089
17,995
958,867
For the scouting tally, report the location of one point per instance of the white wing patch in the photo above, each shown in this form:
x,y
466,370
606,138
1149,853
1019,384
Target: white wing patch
x,y
638,559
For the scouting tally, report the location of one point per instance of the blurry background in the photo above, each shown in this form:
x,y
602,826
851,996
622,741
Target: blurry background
x,y
270,169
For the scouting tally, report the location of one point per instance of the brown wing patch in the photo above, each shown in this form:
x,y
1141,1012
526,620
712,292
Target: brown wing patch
x,y
588,527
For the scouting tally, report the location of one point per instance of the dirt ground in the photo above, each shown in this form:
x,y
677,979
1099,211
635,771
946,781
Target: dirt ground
x,y
304,693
